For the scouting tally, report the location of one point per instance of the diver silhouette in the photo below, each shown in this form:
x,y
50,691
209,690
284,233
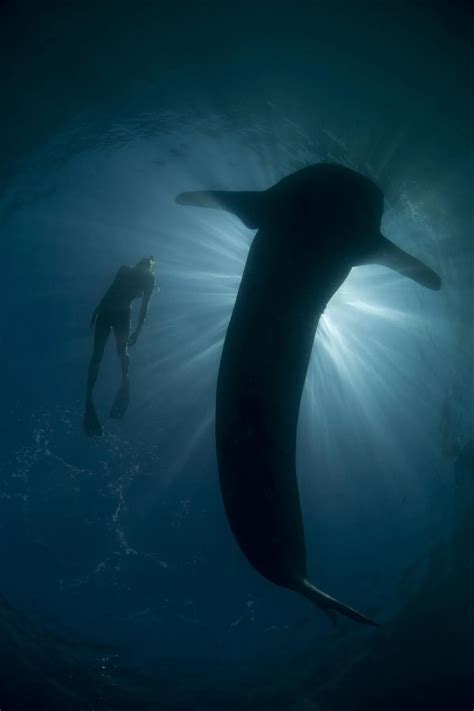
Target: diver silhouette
x,y
113,313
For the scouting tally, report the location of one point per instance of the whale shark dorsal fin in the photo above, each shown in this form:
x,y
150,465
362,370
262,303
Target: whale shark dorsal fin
x,y
246,205
387,254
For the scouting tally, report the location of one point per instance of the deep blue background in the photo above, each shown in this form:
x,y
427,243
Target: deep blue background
x,y
108,113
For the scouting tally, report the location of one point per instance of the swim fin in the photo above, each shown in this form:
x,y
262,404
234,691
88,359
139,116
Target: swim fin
x,y
120,406
92,426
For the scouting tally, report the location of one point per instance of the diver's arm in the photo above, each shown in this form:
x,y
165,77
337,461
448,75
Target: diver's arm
x,y
143,311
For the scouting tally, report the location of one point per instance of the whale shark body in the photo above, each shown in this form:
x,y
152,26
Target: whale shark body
x,y
313,227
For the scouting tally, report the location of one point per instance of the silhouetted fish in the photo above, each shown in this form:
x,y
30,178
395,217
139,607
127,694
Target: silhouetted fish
x,y
313,227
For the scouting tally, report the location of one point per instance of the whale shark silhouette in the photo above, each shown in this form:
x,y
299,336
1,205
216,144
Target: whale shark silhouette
x,y
313,227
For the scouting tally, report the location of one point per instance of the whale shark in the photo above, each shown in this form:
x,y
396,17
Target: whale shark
x,y
313,226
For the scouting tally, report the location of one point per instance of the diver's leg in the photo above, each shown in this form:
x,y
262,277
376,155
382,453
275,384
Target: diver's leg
x,y
122,335
101,333
122,352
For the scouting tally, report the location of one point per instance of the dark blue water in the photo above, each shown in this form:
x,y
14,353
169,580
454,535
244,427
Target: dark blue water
x,y
110,112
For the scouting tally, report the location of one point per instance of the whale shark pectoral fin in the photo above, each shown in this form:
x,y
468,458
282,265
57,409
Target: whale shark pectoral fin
x,y
329,605
387,254
199,198
246,205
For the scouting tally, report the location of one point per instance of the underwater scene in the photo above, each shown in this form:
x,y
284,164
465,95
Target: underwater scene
x,y
237,436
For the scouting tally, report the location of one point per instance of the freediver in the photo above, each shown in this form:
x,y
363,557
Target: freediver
x,y
114,313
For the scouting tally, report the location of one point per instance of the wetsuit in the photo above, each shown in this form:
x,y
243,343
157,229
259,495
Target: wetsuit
x,y
114,311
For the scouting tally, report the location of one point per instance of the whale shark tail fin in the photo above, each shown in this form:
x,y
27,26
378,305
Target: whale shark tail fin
x,y
330,606
246,205
389,255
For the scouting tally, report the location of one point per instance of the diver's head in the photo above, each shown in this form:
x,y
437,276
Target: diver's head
x,y
147,264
